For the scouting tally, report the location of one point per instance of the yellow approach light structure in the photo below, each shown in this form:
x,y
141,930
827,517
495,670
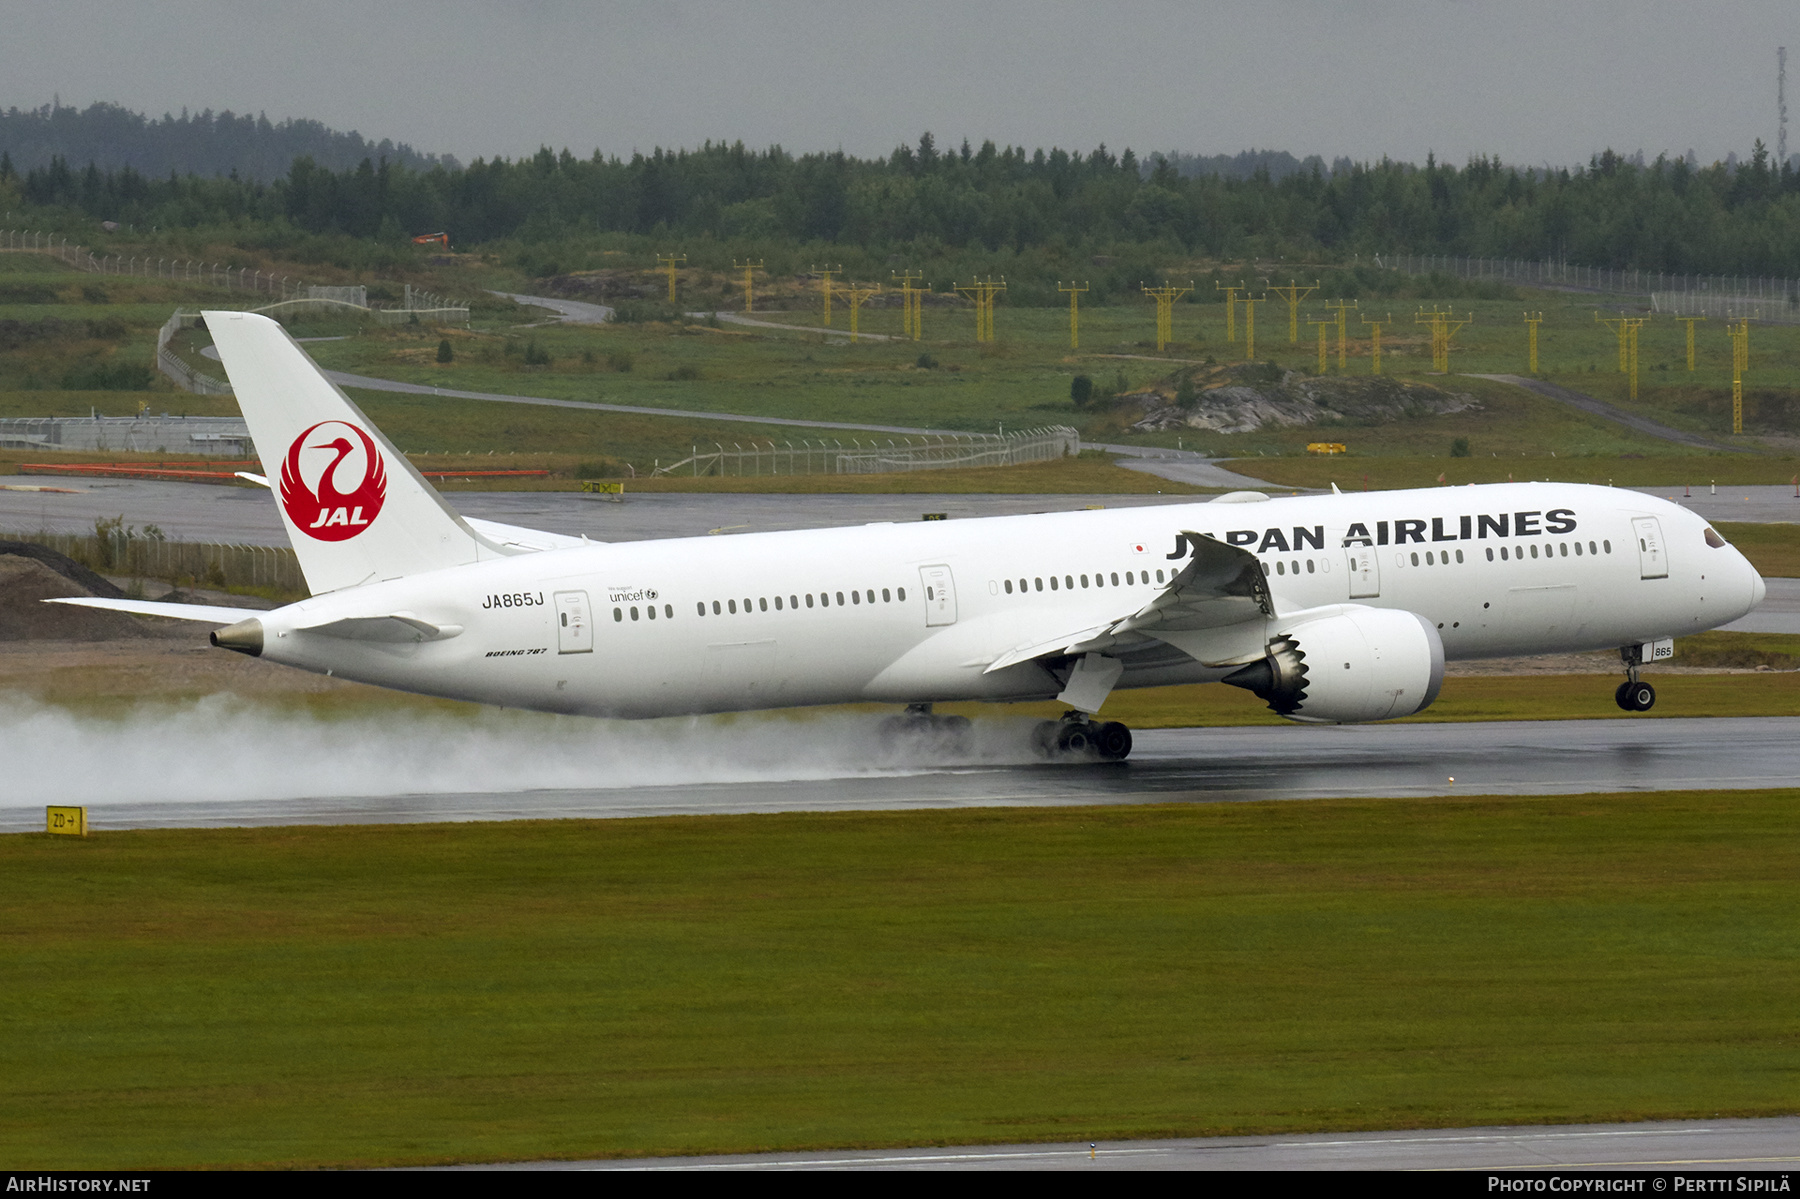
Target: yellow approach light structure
x,y
1532,321
1342,308
1739,332
825,275
1375,340
1689,321
983,294
1444,326
1632,325
856,297
1250,325
908,319
1322,324
1074,312
749,269
1165,297
1618,326
1230,307
666,263
1293,293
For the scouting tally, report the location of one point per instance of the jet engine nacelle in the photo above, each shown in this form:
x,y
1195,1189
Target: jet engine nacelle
x,y
1353,664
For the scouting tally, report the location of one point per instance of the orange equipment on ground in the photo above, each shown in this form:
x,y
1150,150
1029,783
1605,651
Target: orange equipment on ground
x,y
425,239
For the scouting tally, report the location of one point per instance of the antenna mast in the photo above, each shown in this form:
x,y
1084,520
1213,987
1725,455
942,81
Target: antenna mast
x,y
1781,107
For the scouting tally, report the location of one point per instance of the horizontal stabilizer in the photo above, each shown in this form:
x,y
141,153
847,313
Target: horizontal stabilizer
x,y
200,612
399,628
519,538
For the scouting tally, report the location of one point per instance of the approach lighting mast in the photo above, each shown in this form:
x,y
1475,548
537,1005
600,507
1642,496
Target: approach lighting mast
x,y
1165,297
856,297
749,268
907,292
666,264
1375,340
1250,325
1230,306
983,293
1075,294
1342,308
1689,322
1617,325
1293,293
1632,325
825,274
1532,321
1739,332
1323,324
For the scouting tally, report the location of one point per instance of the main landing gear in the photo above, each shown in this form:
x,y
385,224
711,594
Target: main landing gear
x,y
1077,735
918,731
1634,695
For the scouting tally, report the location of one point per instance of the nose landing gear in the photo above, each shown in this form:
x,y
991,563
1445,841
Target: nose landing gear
x,y
1077,735
1634,695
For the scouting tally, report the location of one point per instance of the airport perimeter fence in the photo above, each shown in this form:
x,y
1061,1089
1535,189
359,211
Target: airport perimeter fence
x,y
877,455
1758,297
122,551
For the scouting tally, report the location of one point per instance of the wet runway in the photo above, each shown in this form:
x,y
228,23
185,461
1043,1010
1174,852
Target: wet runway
x,y
1168,766
1696,1148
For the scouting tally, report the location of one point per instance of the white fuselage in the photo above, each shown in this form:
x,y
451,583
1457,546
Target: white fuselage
x,y
765,620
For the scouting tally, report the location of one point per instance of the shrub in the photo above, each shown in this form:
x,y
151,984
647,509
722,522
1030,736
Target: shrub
x,y
926,362
536,355
620,361
1185,395
684,374
1459,448
445,353
1081,390
107,376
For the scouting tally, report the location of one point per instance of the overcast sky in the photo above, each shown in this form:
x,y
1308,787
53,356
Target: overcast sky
x,y
1533,81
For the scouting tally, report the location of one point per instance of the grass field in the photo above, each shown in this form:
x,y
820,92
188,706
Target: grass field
x,y
436,993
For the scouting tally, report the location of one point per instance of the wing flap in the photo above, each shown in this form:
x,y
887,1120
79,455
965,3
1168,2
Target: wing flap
x,y
1221,585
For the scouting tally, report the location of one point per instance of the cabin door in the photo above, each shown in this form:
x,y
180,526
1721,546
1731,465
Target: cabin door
x,y
1365,572
940,594
574,631
1652,562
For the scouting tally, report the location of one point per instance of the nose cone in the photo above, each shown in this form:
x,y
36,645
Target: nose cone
x,y
1758,589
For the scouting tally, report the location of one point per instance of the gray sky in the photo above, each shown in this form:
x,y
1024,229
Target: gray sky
x,y
1530,80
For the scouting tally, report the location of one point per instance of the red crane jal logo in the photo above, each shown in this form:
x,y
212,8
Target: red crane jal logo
x,y
320,462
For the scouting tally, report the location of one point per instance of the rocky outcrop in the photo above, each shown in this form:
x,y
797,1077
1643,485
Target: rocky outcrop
x,y
1250,396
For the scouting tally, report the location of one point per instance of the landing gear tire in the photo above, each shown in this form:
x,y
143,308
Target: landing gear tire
x,y
1075,736
918,731
1635,697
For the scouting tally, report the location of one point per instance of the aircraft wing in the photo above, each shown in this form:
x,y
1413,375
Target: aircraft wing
x,y
1220,585
200,612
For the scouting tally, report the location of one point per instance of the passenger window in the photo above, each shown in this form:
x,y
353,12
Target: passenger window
x,y
668,611
1281,568
1503,555
1593,550
1129,581
871,595
794,602
1563,549
1008,588
1069,582
700,608
1053,582
733,605
1115,578
650,611
1607,546
618,614
840,599
900,594
809,599
1490,553
1534,551
887,597
856,597
1310,568
778,603
715,607
762,604
1459,557
1084,581
1159,577
824,599
1415,558
746,604
634,612
1429,560
1296,567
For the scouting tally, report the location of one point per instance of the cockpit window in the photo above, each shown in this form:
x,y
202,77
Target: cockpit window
x,y
1713,539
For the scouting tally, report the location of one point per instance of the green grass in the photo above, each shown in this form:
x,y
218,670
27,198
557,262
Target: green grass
x,y
1406,468
489,992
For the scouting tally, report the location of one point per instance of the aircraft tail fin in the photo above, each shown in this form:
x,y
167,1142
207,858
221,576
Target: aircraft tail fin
x,y
354,508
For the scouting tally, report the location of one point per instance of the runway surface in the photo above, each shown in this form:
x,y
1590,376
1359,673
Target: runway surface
x,y
1691,1147
451,773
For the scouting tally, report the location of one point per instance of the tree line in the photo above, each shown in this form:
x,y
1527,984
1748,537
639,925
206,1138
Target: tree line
x,y
1666,215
